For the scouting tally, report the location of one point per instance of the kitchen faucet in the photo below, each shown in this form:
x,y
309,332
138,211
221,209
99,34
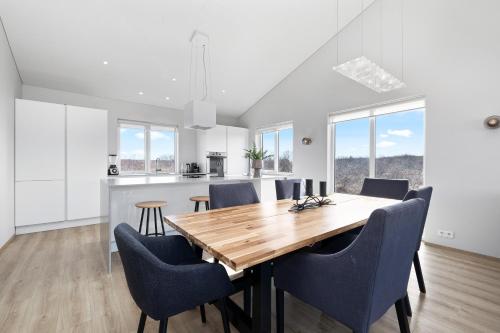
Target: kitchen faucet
x,y
157,169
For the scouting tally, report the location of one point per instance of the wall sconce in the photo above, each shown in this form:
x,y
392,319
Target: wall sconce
x,y
306,141
492,122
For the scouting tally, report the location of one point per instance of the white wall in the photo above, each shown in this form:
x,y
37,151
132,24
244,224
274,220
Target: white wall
x,y
452,56
10,88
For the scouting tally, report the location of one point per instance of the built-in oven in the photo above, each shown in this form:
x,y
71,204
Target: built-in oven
x,y
216,163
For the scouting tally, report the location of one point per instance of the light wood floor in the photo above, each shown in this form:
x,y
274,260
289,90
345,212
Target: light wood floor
x,y
56,282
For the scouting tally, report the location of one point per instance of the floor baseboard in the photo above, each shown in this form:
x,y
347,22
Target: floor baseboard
x,y
2,247
28,229
474,254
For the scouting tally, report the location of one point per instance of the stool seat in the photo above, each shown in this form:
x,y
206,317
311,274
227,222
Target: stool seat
x,y
151,204
200,198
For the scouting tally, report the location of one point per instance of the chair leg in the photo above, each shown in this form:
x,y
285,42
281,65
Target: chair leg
x,y
225,318
418,270
402,318
163,326
408,306
161,222
142,322
196,206
280,311
147,223
202,313
142,218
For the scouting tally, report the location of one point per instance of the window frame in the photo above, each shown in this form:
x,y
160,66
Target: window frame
x,y
274,129
147,144
371,112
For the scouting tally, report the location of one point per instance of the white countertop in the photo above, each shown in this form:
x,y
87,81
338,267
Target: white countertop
x,y
175,179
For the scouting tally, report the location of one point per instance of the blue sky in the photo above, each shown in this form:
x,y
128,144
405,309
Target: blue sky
x,y
285,141
132,143
397,134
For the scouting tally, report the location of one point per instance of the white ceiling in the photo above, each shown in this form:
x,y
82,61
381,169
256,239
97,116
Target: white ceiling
x,y
254,44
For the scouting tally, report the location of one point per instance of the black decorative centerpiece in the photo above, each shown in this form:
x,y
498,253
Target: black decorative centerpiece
x,y
311,200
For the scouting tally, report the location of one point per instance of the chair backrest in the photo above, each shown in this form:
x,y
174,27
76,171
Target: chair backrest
x,y
140,267
424,193
229,195
385,188
284,188
395,228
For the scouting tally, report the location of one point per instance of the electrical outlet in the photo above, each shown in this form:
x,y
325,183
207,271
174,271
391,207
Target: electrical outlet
x,y
446,234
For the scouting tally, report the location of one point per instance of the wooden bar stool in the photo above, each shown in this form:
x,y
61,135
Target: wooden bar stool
x,y
154,205
200,198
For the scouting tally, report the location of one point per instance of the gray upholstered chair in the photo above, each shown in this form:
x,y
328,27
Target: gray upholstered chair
x,y
424,193
229,195
385,188
357,285
284,188
166,278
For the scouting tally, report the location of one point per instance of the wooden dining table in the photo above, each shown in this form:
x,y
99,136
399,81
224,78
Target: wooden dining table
x,y
252,237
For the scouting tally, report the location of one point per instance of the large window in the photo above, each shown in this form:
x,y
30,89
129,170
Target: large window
x,y
147,148
278,142
383,142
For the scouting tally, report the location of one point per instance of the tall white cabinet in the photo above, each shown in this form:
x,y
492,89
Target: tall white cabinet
x,y
61,154
227,139
86,160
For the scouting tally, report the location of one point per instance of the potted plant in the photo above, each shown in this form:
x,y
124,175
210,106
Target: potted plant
x,y
256,156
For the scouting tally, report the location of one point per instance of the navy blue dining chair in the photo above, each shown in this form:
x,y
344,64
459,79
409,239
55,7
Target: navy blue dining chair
x,y
229,195
357,285
165,277
284,188
385,188
424,193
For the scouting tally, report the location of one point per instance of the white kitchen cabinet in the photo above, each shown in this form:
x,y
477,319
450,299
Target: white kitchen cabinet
x,y
86,160
216,139
39,202
237,140
39,141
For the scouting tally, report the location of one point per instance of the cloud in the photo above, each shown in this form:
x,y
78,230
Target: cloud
x,y
384,135
406,133
385,144
157,135
139,135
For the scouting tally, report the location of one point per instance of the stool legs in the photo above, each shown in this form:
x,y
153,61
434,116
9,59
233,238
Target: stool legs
x,y
156,233
156,222
161,222
207,206
196,206
142,218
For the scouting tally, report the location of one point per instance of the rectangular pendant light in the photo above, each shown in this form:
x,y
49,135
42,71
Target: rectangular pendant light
x,y
369,74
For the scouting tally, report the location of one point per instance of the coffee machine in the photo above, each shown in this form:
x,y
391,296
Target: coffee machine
x,y
112,168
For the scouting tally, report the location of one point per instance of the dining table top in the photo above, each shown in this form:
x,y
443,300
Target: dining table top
x,y
245,236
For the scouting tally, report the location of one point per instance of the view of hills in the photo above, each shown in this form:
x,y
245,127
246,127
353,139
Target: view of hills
x,y
350,171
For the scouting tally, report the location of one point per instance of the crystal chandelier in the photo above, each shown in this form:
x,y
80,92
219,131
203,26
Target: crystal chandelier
x,y
369,74
365,71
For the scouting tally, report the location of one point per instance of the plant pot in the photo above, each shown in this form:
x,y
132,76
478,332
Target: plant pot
x,y
256,165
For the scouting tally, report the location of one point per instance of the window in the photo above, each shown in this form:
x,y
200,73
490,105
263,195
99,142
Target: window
x,y
147,148
383,142
278,142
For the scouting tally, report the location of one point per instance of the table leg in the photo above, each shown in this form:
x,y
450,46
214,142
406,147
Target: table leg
x,y
261,299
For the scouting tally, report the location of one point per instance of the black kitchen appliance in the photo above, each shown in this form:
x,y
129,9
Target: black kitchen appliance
x,y
112,168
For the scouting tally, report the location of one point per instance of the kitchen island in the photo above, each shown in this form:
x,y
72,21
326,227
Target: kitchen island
x,y
120,194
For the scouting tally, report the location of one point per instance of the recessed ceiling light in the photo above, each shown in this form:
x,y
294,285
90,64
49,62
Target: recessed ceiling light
x,y
174,79
105,62
223,91
167,98
141,93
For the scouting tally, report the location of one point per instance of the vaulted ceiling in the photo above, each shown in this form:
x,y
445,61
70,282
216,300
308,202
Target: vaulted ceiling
x,y
254,44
